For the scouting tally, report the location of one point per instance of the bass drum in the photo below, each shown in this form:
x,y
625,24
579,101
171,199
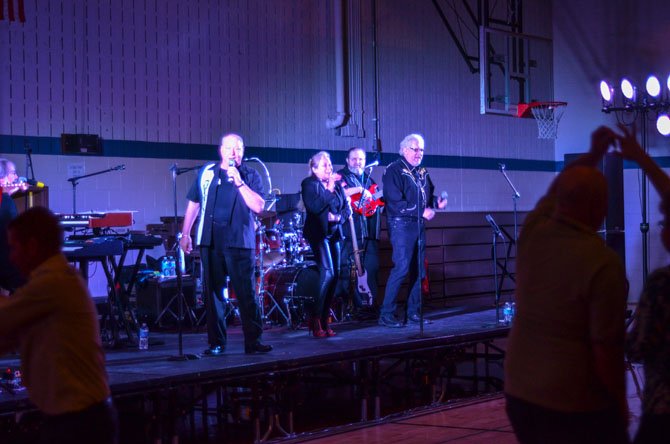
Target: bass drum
x,y
294,288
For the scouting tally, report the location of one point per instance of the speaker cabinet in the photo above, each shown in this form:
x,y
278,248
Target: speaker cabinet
x,y
153,299
80,144
613,229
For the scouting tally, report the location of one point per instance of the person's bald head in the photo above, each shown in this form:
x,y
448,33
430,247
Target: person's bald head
x,y
581,194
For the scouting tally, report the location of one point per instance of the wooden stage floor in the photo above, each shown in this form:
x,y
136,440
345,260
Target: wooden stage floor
x,y
361,360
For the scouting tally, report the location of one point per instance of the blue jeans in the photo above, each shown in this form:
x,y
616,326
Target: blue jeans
x,y
404,235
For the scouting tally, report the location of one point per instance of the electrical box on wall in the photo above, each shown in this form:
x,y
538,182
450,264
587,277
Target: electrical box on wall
x,y
80,144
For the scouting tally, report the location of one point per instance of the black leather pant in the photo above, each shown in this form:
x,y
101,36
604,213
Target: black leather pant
x,y
327,256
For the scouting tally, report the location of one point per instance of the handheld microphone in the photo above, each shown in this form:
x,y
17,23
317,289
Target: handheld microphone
x,y
444,195
119,167
31,182
370,165
231,163
501,166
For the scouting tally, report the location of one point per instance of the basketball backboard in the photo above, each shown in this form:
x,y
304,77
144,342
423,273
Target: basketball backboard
x,y
514,68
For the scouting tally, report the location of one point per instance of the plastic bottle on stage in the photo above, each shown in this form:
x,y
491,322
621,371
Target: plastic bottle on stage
x,y
507,313
513,311
144,337
173,266
165,267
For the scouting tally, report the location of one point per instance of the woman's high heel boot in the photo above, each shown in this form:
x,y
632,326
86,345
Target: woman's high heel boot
x,y
315,328
326,327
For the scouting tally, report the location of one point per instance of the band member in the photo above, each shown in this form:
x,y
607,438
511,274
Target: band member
x,y
358,181
226,196
10,277
327,210
408,193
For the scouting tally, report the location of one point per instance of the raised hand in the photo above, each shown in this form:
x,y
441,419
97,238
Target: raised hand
x,y
601,140
630,147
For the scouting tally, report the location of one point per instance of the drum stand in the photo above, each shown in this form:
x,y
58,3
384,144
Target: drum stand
x,y
261,292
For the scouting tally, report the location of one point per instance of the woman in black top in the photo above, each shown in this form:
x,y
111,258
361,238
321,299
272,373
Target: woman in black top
x,y
327,210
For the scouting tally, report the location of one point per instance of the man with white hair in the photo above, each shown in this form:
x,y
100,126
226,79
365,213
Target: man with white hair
x,y
409,201
10,278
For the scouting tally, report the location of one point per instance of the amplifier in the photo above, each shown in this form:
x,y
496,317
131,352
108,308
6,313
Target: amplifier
x,y
154,296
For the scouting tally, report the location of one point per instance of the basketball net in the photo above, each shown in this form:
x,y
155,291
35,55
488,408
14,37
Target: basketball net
x,y
548,116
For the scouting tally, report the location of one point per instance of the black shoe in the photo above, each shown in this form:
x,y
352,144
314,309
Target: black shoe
x,y
215,350
389,321
257,348
416,319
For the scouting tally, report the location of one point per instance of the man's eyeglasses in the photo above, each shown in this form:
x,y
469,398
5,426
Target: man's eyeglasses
x,y
417,150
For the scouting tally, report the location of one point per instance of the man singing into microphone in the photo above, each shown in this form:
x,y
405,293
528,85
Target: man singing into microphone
x,y
408,195
357,180
225,196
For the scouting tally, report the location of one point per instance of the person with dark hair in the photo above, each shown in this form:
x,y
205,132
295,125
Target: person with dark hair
x,y
564,363
52,321
357,181
409,200
10,278
225,197
649,338
327,210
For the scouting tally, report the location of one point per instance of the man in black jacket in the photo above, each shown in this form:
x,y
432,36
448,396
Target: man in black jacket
x,y
225,196
408,195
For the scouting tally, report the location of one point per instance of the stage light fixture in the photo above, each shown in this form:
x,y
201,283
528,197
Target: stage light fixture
x,y
653,86
607,92
663,124
629,108
627,101
627,89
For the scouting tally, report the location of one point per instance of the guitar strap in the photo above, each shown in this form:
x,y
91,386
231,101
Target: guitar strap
x,y
360,221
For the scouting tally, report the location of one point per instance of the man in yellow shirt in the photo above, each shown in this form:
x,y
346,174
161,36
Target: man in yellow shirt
x,y
53,322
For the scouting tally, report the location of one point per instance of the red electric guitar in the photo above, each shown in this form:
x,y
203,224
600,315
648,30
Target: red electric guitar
x,y
367,207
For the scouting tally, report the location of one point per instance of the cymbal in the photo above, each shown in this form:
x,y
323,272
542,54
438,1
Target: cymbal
x,y
266,214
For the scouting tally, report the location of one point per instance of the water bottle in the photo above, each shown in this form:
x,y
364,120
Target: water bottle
x,y
507,313
165,267
144,337
513,311
173,266
226,294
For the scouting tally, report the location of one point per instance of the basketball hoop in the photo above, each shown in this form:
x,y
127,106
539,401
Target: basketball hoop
x,y
547,114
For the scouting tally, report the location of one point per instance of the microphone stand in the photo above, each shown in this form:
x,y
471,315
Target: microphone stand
x,y
29,167
494,257
75,181
419,261
515,197
181,299
29,161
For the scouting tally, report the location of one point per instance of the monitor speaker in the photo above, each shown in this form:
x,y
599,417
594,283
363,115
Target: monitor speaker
x,y
614,227
80,144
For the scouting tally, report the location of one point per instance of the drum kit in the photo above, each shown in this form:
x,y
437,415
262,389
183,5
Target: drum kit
x,y
286,281
286,278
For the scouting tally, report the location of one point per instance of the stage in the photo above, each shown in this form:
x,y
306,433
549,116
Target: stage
x,y
365,372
